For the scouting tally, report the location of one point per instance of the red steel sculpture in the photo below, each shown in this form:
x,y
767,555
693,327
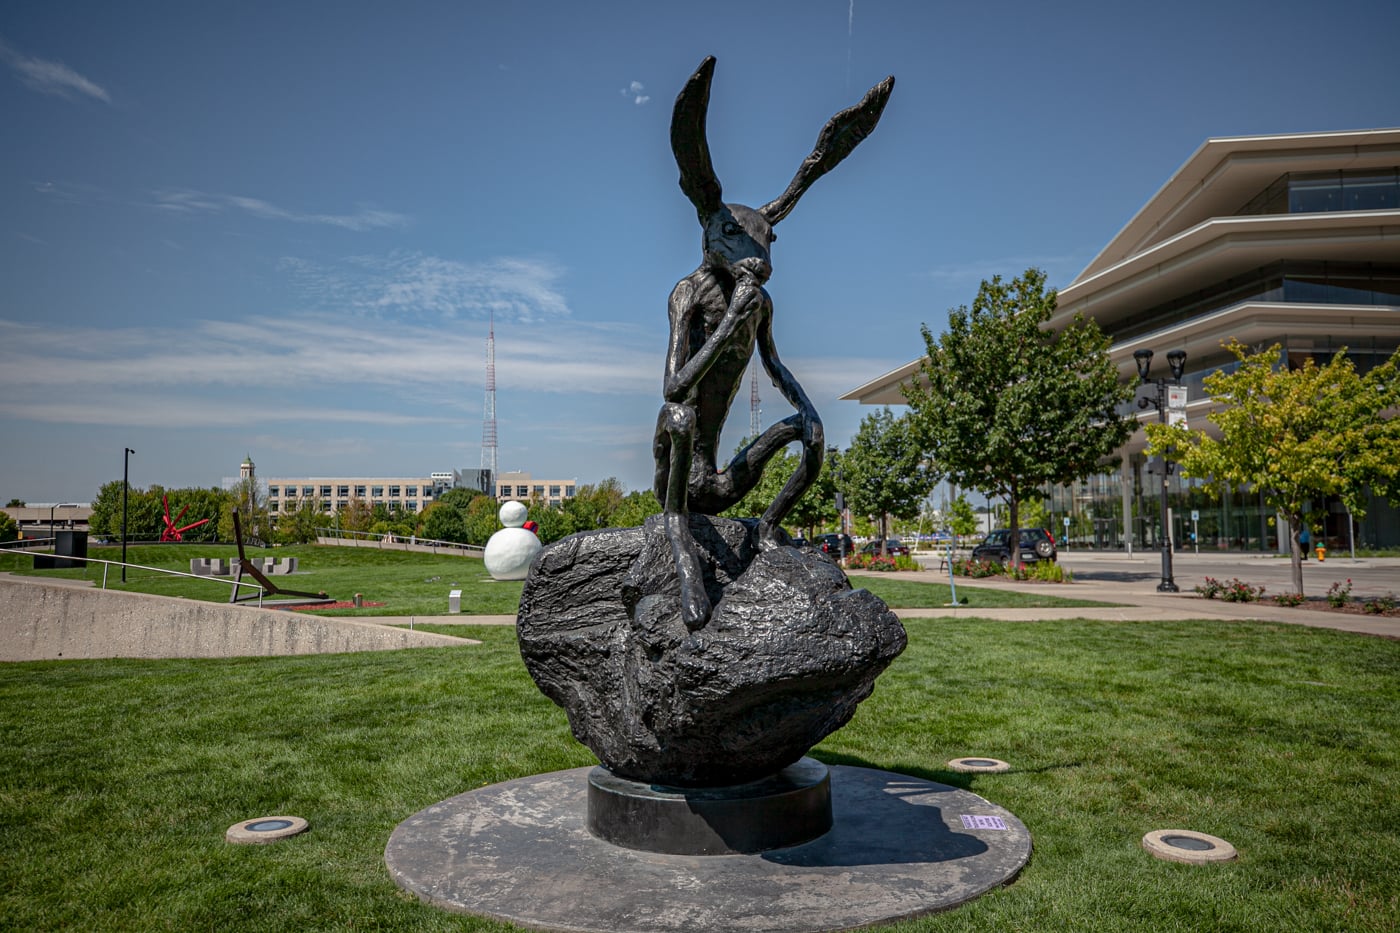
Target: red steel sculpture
x,y
170,532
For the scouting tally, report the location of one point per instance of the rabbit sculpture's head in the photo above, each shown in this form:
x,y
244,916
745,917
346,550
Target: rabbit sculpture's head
x,y
738,239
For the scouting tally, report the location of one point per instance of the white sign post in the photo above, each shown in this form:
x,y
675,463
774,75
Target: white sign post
x,y
1176,404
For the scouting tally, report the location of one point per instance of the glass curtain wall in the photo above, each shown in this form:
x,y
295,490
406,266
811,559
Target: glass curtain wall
x,y
1237,521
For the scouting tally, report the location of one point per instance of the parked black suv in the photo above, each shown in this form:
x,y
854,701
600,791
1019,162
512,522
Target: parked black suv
x,y
831,544
1036,544
895,548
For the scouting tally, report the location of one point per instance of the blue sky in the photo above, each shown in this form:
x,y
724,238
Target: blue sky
x,y
278,229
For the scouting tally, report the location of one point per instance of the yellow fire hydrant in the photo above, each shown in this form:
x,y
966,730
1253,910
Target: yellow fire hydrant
x,y
1321,553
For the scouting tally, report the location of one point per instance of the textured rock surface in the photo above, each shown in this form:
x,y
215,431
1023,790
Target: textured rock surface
x,y
789,651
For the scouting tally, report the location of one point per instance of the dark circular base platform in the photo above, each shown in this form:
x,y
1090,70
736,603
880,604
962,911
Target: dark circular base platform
x,y
778,812
521,851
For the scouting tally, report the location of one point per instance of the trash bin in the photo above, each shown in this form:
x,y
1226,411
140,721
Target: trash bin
x,y
454,602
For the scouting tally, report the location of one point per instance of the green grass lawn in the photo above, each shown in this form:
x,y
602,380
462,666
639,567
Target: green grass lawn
x,y
913,594
407,583
418,584
118,778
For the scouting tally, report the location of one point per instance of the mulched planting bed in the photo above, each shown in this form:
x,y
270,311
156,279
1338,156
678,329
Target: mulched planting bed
x,y
343,604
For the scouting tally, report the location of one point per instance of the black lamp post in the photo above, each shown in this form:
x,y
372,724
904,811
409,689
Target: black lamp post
x,y
1176,359
52,533
840,505
126,461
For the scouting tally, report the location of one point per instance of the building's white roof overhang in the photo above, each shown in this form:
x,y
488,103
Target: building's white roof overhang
x,y
1218,249
1225,172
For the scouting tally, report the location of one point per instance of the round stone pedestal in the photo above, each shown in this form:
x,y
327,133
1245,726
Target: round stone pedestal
x,y
787,809
521,851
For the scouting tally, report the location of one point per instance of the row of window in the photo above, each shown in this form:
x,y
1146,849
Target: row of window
x,y
1314,192
507,491
1289,281
377,492
409,505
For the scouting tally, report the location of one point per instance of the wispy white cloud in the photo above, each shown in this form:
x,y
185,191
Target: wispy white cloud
x,y
519,289
49,77
316,367
1061,267
185,201
635,91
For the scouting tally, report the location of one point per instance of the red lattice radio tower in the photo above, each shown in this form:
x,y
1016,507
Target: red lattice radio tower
x,y
488,411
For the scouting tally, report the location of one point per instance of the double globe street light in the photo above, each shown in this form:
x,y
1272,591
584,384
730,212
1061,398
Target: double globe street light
x,y
1163,401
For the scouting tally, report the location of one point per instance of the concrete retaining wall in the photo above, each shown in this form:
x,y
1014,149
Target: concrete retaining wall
x,y
43,621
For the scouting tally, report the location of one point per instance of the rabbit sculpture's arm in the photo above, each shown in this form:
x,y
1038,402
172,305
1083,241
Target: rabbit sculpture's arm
x,y
686,366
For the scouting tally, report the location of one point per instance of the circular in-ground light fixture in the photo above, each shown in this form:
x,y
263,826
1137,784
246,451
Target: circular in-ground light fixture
x,y
979,765
266,829
1184,845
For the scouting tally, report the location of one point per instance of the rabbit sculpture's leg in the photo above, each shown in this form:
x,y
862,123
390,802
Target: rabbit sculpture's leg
x,y
675,434
808,429
746,469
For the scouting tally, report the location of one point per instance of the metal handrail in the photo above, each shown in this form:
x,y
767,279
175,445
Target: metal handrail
x,y
397,539
174,573
25,544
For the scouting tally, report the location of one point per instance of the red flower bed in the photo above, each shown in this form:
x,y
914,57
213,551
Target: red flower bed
x,y
343,604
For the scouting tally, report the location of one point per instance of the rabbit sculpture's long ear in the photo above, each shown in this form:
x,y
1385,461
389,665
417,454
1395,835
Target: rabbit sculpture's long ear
x,y
688,142
837,140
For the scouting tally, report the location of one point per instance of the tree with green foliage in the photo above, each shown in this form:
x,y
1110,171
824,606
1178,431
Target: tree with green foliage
x,y
1035,512
961,517
1006,406
198,503
443,521
1297,435
248,496
775,474
593,506
15,504
551,522
355,515
884,472
9,528
459,497
482,519
143,512
636,507
299,525
107,509
817,505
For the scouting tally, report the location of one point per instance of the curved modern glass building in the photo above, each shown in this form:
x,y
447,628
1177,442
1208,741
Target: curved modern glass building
x,y
1290,239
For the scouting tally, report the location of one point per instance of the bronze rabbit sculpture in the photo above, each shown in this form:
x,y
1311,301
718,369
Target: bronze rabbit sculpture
x,y
718,314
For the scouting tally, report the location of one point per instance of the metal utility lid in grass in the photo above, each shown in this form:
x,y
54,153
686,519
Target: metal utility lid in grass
x,y
979,765
265,829
1184,845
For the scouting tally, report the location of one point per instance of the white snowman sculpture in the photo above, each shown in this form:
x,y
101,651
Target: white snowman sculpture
x,y
510,550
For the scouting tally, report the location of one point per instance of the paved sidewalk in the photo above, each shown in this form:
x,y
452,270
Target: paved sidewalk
x,y
1130,584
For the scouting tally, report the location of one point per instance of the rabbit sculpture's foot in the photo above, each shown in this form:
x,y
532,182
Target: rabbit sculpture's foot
x,y
695,602
695,606
768,536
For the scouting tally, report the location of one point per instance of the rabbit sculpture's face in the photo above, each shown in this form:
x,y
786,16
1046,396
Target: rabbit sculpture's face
x,y
738,239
